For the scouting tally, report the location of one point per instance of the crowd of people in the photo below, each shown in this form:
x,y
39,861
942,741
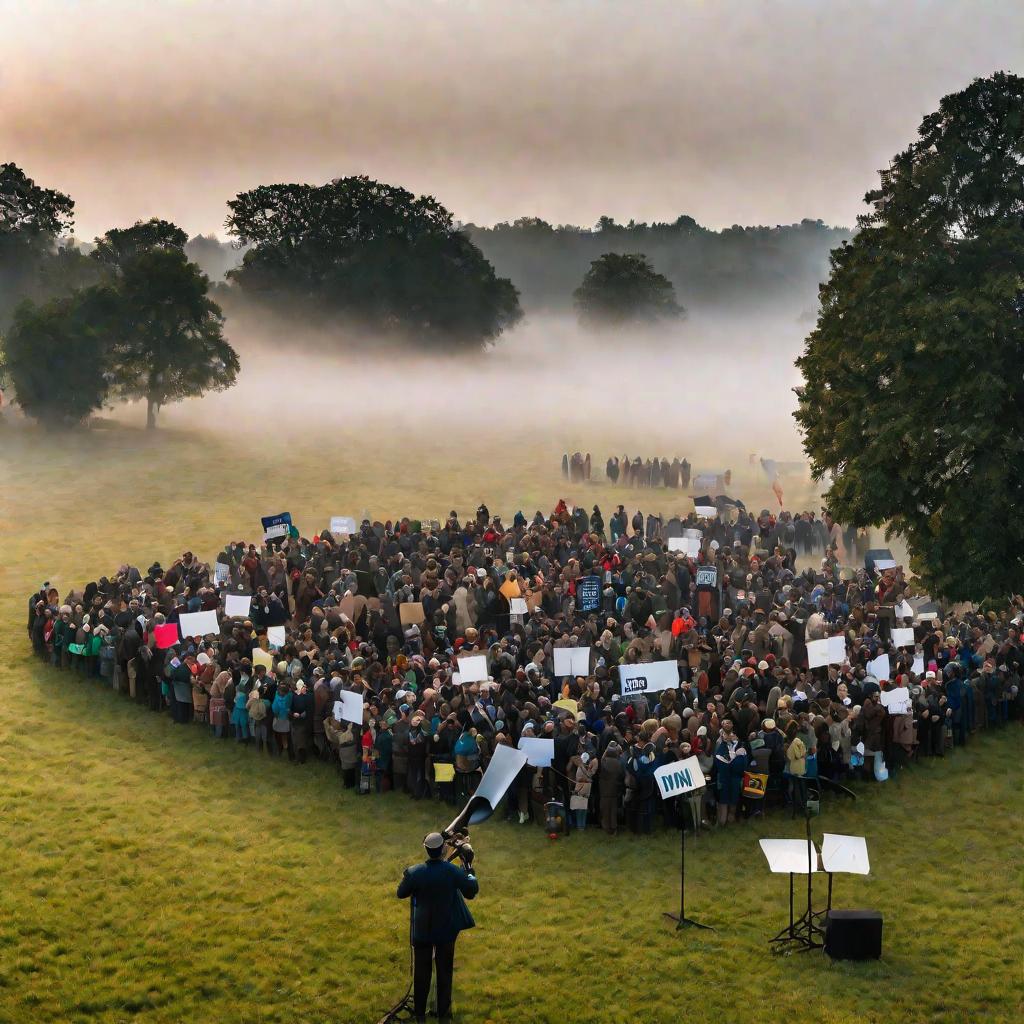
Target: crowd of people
x,y
388,612
635,472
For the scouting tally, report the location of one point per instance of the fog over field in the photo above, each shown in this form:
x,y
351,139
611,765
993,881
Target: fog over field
x,y
713,388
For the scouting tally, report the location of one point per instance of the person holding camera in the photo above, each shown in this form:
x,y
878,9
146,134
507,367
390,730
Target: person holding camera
x,y
439,891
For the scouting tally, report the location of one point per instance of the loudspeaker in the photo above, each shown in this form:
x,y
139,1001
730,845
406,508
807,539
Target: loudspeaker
x,y
853,934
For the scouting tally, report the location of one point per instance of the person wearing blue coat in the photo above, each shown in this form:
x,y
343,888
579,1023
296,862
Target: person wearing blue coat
x,y
439,891
730,764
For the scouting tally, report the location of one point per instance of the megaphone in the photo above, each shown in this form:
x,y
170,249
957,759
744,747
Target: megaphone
x,y
477,809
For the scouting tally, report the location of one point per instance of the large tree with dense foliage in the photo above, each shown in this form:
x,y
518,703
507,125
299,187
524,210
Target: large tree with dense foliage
x,y
373,255
170,344
32,218
621,289
56,355
913,392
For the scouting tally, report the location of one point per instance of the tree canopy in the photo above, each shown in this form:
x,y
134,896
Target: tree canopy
x,y
373,254
32,218
625,289
56,355
171,343
913,392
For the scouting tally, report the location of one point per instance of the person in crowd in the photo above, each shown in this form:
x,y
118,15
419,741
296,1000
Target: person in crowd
x,y
743,697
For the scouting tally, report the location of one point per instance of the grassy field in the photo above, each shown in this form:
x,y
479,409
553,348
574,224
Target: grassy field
x,y
148,873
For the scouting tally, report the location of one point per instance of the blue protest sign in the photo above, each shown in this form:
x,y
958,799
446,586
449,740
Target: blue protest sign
x,y
588,593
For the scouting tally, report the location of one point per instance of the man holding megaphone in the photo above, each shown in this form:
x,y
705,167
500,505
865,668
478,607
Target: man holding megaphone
x,y
439,890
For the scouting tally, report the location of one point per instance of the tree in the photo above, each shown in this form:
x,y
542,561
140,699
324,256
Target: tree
x,y
56,355
170,342
120,245
912,395
372,254
622,289
31,220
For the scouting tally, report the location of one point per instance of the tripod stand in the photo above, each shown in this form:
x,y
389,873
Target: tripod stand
x,y
804,933
681,920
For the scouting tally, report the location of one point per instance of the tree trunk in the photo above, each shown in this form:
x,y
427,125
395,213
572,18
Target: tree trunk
x,y
151,407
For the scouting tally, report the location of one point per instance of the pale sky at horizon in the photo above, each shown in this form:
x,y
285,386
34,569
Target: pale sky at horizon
x,y
731,111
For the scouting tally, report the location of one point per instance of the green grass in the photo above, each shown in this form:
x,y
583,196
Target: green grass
x,y
148,873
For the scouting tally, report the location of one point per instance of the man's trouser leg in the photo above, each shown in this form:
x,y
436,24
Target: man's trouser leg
x,y
444,962
423,958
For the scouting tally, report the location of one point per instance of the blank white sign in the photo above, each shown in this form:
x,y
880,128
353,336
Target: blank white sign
x,y
817,653
517,606
349,707
572,661
903,638
237,605
505,765
836,650
473,668
275,636
879,667
539,752
198,623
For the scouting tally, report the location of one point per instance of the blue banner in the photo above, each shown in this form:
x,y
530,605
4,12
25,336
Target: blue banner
x,y
276,526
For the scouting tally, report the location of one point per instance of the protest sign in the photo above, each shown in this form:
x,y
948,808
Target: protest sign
x,y
897,702
343,524
707,576
198,623
918,667
904,611
572,661
276,636
517,606
349,707
817,653
411,613
836,650
539,752
679,777
588,593
706,511
649,678
903,637
885,563
677,544
473,668
444,771
262,657
879,667
166,636
237,605
221,572
276,526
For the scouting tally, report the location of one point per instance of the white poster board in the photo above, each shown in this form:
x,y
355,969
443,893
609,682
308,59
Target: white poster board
x,y
237,605
473,668
649,678
885,563
517,606
539,752
845,854
904,611
198,624
505,765
343,524
918,667
572,661
897,702
349,707
706,511
276,636
836,650
903,637
879,667
221,572
677,544
789,856
817,653
679,777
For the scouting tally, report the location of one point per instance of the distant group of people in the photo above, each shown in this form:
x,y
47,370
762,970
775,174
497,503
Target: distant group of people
x,y
388,612
635,472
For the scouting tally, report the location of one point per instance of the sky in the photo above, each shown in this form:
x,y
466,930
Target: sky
x,y
731,111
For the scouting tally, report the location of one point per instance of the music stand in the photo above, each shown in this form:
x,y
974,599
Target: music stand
x,y
794,857
847,855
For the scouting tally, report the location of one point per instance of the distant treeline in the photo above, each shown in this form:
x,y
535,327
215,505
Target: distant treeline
x,y
734,267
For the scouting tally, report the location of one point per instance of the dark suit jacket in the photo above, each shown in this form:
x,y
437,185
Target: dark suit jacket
x,y
439,911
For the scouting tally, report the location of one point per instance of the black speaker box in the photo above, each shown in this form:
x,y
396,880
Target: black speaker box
x,y
853,934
